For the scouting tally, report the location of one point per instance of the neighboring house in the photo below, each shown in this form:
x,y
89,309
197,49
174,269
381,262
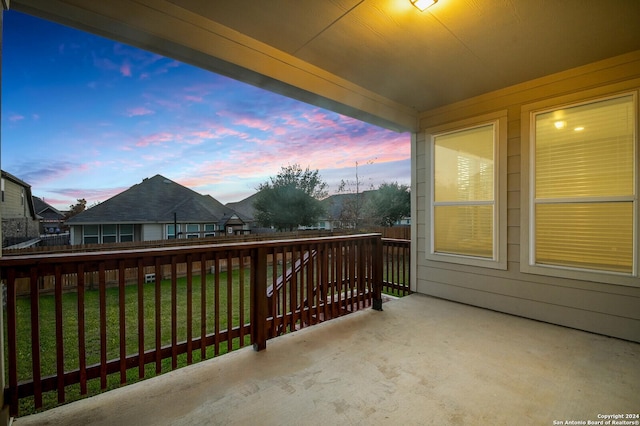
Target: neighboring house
x,y
19,220
155,209
332,204
346,211
245,210
50,218
341,211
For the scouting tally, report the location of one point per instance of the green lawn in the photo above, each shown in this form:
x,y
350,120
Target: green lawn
x,y
92,329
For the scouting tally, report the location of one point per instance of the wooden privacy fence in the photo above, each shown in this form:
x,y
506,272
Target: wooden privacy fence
x,y
64,345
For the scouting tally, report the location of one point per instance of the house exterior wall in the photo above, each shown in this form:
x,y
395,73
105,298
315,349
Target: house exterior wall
x,y
598,307
17,222
14,204
75,235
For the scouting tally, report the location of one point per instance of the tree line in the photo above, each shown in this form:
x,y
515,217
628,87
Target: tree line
x,y
293,198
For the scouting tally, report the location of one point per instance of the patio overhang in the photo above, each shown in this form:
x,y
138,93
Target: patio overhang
x,y
420,361
380,61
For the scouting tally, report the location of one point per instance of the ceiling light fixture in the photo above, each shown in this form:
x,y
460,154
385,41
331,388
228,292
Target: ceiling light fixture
x,y
423,4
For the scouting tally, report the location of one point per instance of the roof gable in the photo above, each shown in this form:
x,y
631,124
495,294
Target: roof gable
x,y
154,200
44,208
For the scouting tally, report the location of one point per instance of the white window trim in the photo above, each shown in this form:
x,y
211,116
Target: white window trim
x,y
176,231
103,234
85,235
210,232
190,233
499,260
527,264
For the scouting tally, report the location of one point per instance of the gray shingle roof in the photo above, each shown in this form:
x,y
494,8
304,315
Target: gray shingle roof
x,y
154,200
244,208
45,209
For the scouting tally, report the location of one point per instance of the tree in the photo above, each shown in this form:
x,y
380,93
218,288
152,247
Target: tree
x,y
290,199
353,204
390,203
74,209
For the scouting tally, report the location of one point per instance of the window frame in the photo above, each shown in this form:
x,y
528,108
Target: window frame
x,y
210,232
527,225
123,232
112,237
85,235
176,231
192,233
499,259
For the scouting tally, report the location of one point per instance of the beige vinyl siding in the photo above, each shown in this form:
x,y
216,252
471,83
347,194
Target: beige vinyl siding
x,y
599,307
13,206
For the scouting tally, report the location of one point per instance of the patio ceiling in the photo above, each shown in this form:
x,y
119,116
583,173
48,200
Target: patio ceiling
x,y
381,61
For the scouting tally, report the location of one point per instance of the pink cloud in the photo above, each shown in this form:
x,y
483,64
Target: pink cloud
x,y
156,139
16,117
125,69
134,112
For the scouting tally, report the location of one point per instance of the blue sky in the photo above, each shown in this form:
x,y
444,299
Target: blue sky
x,y
86,117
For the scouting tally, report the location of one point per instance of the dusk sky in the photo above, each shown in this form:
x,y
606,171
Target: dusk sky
x,y
86,117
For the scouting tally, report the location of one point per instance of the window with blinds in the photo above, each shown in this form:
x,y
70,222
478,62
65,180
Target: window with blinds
x,y
463,196
583,182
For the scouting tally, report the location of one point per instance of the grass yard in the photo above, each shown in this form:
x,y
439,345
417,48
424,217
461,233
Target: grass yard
x,y
92,329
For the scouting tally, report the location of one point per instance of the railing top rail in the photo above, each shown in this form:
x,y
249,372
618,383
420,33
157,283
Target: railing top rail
x,y
52,258
395,240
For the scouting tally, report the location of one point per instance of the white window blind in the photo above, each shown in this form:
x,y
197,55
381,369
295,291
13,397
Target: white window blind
x,y
464,192
584,192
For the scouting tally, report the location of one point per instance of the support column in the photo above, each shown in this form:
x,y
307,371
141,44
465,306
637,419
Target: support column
x,y
5,418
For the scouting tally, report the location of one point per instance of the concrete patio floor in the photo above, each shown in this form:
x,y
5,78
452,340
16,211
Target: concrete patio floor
x,y
421,361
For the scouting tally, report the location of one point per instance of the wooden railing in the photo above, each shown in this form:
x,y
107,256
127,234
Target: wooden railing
x,y
396,272
82,340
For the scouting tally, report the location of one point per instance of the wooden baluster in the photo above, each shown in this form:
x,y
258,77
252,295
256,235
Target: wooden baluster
x,y
82,354
229,301
190,307
35,337
203,306
158,303
241,308
174,314
141,360
59,334
123,322
103,325
216,306
12,340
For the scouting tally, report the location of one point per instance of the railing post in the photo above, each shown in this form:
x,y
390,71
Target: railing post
x,y
5,418
377,274
261,308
